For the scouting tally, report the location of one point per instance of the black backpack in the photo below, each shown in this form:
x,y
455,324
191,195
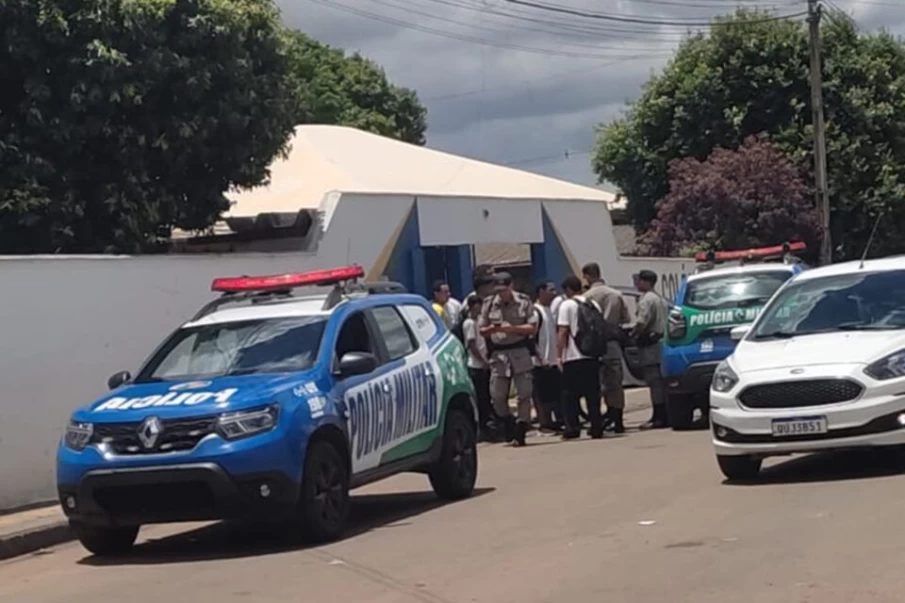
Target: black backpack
x,y
593,331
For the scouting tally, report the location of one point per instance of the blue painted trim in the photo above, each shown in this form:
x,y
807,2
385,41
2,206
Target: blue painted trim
x,y
459,268
539,262
551,255
400,266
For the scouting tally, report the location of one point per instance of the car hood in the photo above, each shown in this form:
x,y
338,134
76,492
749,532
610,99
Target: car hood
x,y
193,398
850,347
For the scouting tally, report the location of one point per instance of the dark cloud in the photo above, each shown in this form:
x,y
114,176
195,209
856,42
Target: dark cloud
x,y
516,85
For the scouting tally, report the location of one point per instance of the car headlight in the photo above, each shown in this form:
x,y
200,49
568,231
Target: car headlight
x,y
78,435
724,378
890,367
237,425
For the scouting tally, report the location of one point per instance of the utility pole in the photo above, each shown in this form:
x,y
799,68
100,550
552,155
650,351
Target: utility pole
x,y
823,201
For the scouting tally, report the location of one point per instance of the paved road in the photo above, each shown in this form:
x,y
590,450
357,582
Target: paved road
x,y
553,522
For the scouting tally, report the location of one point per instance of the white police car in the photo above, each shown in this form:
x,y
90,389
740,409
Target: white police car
x,y
271,405
823,367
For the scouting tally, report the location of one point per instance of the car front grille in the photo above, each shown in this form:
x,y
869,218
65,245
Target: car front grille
x,y
176,435
178,497
797,394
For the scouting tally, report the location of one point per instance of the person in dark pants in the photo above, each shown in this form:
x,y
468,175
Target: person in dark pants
x,y
648,331
615,312
580,374
546,372
479,367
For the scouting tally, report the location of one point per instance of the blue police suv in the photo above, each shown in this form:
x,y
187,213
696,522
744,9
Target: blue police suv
x,y
271,404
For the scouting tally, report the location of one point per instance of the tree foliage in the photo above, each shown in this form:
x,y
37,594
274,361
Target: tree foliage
x,y
750,76
353,91
121,119
749,197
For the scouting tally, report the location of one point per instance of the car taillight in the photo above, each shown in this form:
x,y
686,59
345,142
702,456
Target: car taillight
x,y
676,326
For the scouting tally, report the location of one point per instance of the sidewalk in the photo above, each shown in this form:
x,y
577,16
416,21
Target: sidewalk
x,y
29,531
33,530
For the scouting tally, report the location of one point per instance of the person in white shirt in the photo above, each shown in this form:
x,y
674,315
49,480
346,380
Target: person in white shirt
x,y
478,365
580,374
546,371
453,308
554,305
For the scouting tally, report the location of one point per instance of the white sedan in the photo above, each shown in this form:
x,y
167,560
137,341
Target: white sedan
x,y
822,368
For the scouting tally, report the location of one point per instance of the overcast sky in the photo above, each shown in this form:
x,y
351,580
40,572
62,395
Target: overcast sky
x,y
521,85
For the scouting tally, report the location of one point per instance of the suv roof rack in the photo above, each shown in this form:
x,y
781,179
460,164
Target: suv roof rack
x,y
268,289
777,253
338,294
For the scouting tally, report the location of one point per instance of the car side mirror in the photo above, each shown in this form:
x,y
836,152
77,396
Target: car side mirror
x,y
357,363
118,379
738,333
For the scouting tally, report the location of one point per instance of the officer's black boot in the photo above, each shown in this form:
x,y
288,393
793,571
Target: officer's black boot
x,y
508,429
609,419
521,430
618,425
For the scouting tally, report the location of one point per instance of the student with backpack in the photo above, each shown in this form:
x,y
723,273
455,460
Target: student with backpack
x,y
581,343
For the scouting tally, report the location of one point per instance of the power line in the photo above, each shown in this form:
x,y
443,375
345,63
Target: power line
x,y
554,76
564,155
571,27
565,10
496,30
456,36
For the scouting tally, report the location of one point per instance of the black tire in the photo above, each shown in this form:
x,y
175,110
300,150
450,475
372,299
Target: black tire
x,y
739,468
680,410
454,474
104,541
324,499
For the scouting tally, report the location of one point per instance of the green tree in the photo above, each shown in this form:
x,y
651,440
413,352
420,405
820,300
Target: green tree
x,y
122,118
750,76
334,88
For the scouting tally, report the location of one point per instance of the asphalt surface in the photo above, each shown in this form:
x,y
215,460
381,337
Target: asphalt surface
x,y
639,518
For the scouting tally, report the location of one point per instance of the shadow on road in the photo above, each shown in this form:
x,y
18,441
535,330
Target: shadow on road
x,y
833,466
227,540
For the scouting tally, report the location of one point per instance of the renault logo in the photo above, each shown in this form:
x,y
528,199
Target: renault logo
x,y
150,431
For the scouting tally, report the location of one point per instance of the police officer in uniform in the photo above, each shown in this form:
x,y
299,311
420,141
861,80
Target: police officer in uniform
x,y
648,331
509,320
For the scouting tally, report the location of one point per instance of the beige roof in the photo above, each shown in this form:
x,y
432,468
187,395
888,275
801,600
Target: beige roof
x,y
336,158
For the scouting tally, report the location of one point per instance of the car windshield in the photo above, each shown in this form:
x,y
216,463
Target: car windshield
x,y
734,290
276,345
849,302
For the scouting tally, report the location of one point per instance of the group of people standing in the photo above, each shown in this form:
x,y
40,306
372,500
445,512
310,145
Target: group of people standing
x,y
555,351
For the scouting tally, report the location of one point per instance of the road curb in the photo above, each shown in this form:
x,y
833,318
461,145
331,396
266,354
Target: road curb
x,y
34,539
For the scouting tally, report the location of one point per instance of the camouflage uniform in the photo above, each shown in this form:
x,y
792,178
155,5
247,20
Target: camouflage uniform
x,y
510,355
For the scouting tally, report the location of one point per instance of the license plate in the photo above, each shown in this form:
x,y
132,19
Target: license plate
x,y
799,426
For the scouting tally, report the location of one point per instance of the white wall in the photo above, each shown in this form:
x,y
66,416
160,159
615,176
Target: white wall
x,y
68,323
464,220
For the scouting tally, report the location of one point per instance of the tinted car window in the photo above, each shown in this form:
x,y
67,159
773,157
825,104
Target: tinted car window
x,y
849,302
396,336
238,348
734,290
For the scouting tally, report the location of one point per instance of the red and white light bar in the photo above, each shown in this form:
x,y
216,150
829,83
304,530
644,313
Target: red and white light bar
x,y
316,278
753,253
